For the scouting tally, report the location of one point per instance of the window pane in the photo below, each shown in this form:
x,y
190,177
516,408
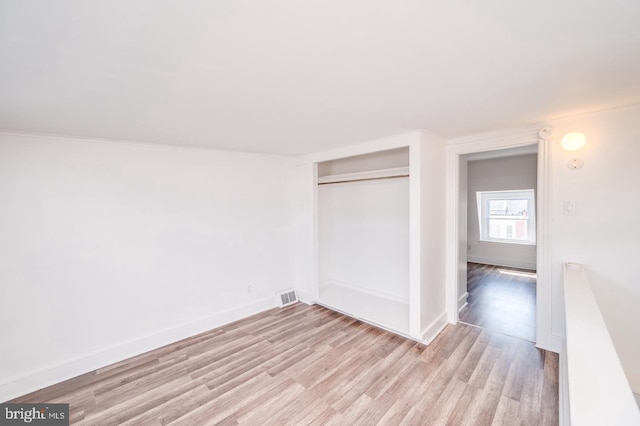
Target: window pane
x,y
507,216
508,229
508,208
508,219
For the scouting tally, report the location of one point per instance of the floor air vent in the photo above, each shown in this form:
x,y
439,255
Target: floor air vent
x,y
287,298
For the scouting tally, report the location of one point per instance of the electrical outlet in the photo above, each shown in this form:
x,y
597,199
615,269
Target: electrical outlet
x,y
569,207
249,288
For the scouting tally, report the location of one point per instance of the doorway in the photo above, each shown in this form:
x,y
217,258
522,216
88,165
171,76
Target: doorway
x,y
501,189
486,145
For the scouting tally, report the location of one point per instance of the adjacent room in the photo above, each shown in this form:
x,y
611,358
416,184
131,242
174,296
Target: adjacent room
x,y
282,212
501,188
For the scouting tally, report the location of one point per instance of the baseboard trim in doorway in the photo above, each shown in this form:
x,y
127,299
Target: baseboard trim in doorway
x,y
462,301
431,331
497,331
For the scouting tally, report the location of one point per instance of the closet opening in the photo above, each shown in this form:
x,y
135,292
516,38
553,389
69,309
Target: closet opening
x,y
363,237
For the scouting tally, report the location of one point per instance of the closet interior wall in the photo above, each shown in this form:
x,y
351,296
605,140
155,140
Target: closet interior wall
x,y
363,237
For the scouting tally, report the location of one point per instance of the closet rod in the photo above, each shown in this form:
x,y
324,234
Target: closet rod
x,y
363,179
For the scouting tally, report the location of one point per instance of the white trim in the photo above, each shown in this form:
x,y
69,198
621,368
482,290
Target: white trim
x,y
545,338
452,207
26,383
415,239
376,145
305,298
369,174
489,142
501,262
432,330
316,232
462,301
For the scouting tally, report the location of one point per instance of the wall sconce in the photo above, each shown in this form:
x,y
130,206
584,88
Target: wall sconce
x,y
573,142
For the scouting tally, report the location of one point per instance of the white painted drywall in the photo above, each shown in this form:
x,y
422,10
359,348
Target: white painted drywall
x,y
499,174
363,236
303,195
111,249
432,230
604,234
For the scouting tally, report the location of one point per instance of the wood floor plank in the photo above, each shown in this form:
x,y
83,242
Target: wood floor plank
x,y
172,408
308,365
465,403
507,413
395,414
446,402
500,301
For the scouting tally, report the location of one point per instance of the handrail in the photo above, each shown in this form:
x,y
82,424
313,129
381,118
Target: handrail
x,y
598,391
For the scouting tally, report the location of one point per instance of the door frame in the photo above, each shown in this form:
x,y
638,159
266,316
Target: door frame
x,y
456,258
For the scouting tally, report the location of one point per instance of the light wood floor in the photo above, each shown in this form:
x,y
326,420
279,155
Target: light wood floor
x,y
501,302
309,365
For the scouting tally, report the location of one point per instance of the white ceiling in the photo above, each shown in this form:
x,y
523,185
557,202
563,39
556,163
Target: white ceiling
x,y
286,76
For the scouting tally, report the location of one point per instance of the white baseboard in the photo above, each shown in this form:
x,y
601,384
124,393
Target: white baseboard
x,y
26,383
502,262
305,297
431,331
551,342
462,301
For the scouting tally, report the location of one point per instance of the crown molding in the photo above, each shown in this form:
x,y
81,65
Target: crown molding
x,y
514,136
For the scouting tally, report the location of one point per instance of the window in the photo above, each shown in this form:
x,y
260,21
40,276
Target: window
x,y
507,216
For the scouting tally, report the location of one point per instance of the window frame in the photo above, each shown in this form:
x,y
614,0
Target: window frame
x,y
484,197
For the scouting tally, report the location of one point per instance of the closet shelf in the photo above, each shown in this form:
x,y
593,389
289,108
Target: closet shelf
x,y
366,175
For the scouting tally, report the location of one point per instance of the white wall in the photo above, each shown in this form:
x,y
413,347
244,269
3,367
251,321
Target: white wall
x,y
364,236
432,235
303,194
112,249
604,234
499,174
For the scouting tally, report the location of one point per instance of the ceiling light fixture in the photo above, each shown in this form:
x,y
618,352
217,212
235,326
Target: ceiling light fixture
x,y
572,142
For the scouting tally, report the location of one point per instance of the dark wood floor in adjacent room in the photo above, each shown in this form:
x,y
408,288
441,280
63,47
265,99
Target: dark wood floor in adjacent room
x,y
501,301
309,365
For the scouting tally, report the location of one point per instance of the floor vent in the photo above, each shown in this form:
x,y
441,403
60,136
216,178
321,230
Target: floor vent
x,y
287,298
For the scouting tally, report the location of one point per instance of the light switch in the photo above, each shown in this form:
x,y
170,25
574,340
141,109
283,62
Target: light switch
x,y
569,207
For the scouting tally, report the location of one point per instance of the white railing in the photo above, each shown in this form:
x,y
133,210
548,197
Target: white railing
x,y
593,386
